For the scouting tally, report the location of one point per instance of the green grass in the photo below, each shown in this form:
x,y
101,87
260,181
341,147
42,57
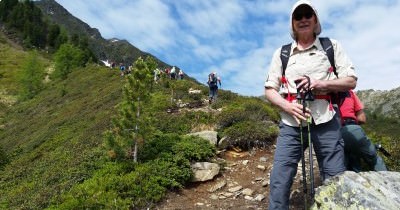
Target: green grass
x,y
55,140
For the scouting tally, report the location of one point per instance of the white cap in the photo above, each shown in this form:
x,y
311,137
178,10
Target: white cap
x,y
317,29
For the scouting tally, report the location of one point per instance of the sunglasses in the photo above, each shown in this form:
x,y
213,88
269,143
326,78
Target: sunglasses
x,y
299,15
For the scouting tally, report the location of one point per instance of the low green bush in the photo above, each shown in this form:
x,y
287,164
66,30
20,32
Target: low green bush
x,y
248,134
164,165
251,109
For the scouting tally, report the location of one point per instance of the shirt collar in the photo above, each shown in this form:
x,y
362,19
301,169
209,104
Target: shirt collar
x,y
316,44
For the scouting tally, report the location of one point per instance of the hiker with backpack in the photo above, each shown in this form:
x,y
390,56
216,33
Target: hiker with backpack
x,y
122,69
173,73
212,82
305,67
357,145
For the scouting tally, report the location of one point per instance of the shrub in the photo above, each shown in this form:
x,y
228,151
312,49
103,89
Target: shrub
x,y
123,185
31,77
248,134
66,58
190,147
194,148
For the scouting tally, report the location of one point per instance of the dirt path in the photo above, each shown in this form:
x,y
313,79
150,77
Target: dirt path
x,y
246,171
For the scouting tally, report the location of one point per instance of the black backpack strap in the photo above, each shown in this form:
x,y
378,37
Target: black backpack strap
x,y
328,48
285,53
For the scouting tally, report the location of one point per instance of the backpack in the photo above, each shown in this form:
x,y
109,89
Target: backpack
x,y
337,98
212,80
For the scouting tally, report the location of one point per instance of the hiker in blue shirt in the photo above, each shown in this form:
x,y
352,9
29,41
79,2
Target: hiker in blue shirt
x,y
122,69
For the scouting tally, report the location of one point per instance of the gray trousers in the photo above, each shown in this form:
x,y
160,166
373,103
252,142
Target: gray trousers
x,y
357,147
329,148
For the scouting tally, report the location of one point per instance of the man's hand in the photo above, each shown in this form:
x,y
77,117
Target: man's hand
x,y
296,110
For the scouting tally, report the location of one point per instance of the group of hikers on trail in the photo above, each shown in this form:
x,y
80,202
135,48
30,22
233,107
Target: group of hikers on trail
x,y
311,81
172,73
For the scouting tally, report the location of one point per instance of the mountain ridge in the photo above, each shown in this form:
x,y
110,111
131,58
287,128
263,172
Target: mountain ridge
x,y
120,51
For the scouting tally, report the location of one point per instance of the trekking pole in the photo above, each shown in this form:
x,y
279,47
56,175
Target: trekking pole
x,y
303,161
310,146
383,150
309,97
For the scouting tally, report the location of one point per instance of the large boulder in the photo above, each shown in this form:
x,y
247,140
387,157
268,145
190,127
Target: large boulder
x,y
365,190
204,171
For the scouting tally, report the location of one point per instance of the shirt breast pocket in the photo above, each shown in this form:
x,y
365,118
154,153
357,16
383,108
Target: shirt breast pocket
x,y
319,62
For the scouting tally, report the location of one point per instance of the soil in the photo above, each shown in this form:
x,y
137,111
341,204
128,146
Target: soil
x,y
239,168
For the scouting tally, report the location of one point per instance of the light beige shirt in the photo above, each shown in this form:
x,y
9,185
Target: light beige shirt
x,y
314,63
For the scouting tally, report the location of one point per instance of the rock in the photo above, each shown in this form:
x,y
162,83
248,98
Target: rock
x,y
235,189
226,194
249,198
265,183
261,167
259,197
194,91
217,186
365,190
204,171
214,197
257,179
211,136
248,192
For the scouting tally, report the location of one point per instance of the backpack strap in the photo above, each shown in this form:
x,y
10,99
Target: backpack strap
x,y
285,53
328,48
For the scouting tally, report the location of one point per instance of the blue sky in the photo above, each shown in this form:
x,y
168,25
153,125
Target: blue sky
x,y
236,38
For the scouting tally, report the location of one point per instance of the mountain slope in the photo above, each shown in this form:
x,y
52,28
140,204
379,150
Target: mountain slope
x,y
119,51
54,140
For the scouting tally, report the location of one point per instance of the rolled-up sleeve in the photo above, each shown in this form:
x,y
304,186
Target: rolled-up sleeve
x,y
344,66
274,74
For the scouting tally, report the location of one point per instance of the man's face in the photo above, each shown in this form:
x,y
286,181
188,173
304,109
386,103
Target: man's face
x,y
304,20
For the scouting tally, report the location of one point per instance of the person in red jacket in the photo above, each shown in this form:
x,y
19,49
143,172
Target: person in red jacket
x,y
357,145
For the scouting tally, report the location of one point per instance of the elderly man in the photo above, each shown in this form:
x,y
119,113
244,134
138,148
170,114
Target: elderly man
x,y
309,66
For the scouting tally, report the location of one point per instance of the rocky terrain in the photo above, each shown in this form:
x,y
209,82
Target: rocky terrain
x,y
243,183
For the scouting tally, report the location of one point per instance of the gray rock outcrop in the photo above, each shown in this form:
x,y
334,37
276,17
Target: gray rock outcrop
x,y
365,190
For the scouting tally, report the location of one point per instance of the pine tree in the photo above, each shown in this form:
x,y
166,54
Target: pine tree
x,y
66,58
32,77
131,125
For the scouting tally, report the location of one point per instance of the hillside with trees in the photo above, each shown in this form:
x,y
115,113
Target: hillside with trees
x,y
74,134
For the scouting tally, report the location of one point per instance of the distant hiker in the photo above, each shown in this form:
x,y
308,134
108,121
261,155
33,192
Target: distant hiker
x,y
212,82
306,57
357,145
167,71
130,69
173,73
181,75
122,69
157,73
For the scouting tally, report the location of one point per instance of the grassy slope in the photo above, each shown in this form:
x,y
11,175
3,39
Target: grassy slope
x,y
56,145
10,62
54,140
